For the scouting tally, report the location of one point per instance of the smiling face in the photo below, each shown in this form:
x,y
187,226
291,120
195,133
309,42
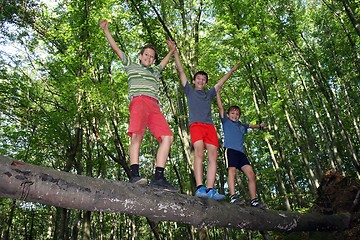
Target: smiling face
x,y
200,80
147,57
234,113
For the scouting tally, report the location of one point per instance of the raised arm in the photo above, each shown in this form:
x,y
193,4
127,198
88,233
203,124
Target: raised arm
x,y
226,77
166,59
219,103
180,68
104,26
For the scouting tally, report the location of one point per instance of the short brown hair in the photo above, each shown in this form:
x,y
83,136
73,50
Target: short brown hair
x,y
151,47
236,108
201,73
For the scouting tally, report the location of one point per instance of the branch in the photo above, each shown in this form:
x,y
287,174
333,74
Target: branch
x,y
19,180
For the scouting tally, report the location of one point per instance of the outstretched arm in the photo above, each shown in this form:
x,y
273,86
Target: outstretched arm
x,y
260,126
219,103
226,77
172,46
104,26
180,68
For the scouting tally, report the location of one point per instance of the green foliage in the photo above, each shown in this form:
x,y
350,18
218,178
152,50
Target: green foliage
x,y
64,104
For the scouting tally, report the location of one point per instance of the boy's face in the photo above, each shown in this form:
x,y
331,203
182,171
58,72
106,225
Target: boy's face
x,y
200,81
234,115
147,58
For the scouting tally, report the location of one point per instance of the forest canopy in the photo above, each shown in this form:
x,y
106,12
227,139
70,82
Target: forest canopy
x,y
64,100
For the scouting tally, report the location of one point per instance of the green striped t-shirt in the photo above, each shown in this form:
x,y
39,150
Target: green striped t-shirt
x,y
142,80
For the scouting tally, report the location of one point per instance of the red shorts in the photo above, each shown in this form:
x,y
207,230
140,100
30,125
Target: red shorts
x,y
205,132
145,112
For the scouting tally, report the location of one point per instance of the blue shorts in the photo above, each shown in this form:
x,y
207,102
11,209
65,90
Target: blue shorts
x,y
234,158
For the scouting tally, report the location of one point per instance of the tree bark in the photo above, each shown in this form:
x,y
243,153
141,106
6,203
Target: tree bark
x,y
351,16
19,180
10,221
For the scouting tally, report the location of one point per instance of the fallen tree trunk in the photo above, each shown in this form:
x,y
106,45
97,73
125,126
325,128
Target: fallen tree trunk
x,y
33,183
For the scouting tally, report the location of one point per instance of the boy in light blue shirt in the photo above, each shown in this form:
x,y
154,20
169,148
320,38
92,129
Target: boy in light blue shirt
x,y
234,133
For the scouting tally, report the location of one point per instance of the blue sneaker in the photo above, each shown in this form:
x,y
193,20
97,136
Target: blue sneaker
x,y
215,195
201,192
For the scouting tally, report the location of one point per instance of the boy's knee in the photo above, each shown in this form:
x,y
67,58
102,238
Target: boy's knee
x,y
167,139
199,153
213,157
135,138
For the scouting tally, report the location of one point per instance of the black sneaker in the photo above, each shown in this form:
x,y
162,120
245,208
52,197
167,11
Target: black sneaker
x,y
138,180
256,203
236,200
163,184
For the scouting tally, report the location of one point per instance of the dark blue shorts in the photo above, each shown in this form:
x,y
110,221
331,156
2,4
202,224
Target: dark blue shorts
x,y
235,158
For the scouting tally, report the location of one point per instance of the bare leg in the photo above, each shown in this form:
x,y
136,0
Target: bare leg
x,y
248,171
231,180
212,165
135,148
163,151
159,181
198,161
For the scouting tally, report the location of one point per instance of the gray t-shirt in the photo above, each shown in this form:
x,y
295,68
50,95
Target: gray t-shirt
x,y
199,103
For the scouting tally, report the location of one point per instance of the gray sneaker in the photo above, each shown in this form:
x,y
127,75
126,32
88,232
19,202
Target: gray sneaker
x,y
139,180
163,184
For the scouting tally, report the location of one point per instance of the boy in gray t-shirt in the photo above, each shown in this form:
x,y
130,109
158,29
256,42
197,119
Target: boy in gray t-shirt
x,y
202,130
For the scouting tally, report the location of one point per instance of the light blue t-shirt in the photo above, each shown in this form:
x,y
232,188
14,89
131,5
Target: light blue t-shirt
x,y
199,103
234,133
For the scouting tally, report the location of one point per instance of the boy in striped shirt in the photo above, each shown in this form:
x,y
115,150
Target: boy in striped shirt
x,y
144,109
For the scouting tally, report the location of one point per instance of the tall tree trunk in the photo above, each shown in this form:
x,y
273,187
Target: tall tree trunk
x,y
76,224
352,17
10,221
313,184
32,219
86,225
319,79
281,186
61,228
154,228
326,137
